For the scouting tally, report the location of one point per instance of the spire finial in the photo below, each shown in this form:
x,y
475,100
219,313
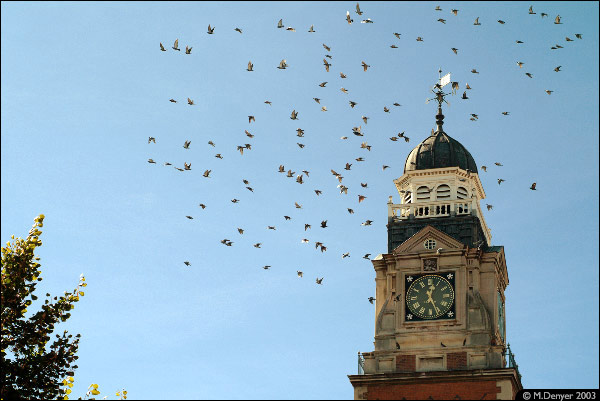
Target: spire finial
x,y
440,98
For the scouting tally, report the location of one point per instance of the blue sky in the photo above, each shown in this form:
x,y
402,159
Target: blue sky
x,y
85,84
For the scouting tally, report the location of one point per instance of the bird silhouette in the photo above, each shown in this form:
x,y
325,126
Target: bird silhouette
x,y
250,66
282,65
533,186
162,48
187,263
210,30
238,30
176,45
294,115
188,50
500,181
311,29
476,21
557,20
371,299
350,20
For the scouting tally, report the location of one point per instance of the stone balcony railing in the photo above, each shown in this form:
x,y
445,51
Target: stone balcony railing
x,y
440,208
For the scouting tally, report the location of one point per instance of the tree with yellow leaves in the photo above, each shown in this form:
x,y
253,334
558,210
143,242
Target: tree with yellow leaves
x,y
33,366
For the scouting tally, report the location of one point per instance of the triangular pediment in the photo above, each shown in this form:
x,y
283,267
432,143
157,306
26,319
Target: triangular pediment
x,y
416,243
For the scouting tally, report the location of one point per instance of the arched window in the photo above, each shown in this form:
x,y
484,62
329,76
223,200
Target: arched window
x,y
461,193
407,197
443,192
423,193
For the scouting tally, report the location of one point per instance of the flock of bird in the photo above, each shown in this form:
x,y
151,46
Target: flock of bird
x,y
301,177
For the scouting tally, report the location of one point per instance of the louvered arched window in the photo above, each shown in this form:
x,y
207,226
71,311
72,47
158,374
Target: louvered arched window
x,y
443,192
423,193
407,197
461,193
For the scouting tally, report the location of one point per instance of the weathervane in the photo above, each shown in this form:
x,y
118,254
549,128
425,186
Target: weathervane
x,y
440,95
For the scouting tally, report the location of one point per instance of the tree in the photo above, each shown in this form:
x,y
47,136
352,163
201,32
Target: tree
x,y
32,366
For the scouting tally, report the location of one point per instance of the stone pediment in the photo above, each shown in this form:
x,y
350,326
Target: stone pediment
x,y
415,244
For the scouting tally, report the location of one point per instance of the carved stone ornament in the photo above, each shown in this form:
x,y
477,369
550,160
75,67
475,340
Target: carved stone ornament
x,y
430,265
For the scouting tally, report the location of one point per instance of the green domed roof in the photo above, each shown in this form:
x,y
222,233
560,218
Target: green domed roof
x,y
437,151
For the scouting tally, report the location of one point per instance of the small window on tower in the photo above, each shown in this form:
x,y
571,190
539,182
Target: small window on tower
x,y
407,197
430,244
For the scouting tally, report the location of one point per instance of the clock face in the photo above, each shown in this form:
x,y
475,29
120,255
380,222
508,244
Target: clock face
x,y
429,297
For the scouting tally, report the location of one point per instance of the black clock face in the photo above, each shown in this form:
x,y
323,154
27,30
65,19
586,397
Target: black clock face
x,y
429,297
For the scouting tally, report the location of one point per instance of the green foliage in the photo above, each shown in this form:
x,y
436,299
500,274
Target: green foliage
x,y
33,367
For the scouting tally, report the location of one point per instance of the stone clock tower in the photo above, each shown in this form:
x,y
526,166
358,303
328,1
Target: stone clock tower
x,y
439,316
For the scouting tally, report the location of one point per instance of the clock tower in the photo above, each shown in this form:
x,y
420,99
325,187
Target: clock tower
x,y
439,315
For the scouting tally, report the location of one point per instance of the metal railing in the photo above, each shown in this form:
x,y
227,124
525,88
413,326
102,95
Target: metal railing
x,y
511,361
361,364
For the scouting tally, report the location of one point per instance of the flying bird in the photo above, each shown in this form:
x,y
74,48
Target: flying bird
x,y
202,205
549,92
455,50
323,108
520,64
240,230
326,47
557,20
367,223
464,96
311,29
543,15
342,75
501,22
324,224
206,173
297,205
361,198
506,113
299,273
210,30
419,39
318,192
500,181
529,75
188,50
211,143
351,211
578,36
531,10
187,263
280,23
346,255
190,101
320,280
365,119
162,48
499,164
151,139
367,21
358,10
519,41
322,84
443,21
533,186
257,245
477,21
294,115
397,35
344,90
474,71
350,20
327,65
455,12
176,45
484,168
437,8
371,299
186,144
489,207
384,167
365,66
238,30
557,69
282,65
250,66
190,217
235,200
172,100
151,161
289,28
386,109
366,256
